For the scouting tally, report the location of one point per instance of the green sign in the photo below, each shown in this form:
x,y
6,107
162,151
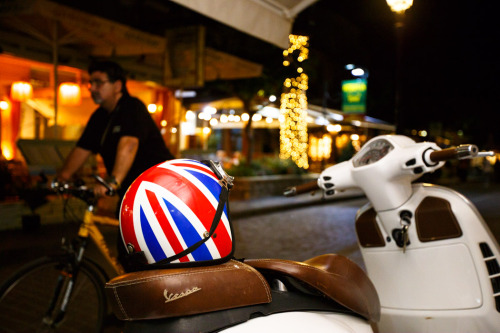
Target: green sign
x,y
354,96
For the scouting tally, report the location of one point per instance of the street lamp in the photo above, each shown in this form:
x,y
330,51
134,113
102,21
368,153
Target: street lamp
x,y
398,7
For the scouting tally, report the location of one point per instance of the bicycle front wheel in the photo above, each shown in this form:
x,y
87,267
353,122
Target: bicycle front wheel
x,y
26,297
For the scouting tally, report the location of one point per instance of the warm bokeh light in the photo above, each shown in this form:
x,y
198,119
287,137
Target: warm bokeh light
x,y
4,105
320,148
70,94
257,117
190,115
492,159
152,108
204,116
209,109
7,151
333,128
399,6
21,91
293,108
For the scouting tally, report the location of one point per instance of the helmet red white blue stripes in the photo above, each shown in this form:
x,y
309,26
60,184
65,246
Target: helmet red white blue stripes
x,y
170,207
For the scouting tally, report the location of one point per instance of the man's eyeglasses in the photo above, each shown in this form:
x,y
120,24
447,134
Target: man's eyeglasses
x,y
98,83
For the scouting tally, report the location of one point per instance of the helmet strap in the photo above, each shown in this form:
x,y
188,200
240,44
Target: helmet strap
x,y
223,198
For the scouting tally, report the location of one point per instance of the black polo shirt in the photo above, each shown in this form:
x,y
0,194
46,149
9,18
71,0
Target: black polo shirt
x,y
129,118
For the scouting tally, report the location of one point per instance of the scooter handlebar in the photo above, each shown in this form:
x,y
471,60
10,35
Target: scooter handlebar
x,y
460,152
299,189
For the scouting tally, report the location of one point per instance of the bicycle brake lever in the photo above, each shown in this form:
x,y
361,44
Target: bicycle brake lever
x,y
110,191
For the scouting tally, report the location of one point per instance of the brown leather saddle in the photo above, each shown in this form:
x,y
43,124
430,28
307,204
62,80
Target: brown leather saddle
x,y
179,299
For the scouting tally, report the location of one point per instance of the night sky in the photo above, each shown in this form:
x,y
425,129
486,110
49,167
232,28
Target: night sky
x,y
449,61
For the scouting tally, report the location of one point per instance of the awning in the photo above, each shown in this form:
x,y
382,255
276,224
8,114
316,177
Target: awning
x,y
223,66
57,28
269,20
61,25
57,25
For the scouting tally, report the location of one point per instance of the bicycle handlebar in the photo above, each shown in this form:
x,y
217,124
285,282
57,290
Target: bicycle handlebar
x,y
81,191
299,189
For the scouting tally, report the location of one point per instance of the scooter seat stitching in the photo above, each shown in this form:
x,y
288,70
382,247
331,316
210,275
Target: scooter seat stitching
x,y
157,277
263,281
120,305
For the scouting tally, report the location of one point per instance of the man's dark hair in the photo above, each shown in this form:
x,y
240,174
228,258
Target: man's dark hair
x,y
114,71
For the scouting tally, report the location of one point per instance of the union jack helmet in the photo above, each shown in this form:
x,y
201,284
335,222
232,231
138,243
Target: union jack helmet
x,y
176,214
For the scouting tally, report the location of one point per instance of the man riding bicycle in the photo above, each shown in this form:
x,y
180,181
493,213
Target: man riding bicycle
x,y
121,130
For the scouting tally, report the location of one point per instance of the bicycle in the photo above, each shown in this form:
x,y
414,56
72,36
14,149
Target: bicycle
x,y
62,293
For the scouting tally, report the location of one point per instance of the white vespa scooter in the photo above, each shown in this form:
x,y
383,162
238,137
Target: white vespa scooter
x,y
427,250
432,263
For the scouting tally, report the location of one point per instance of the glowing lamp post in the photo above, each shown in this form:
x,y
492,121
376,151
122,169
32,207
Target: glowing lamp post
x,y
398,7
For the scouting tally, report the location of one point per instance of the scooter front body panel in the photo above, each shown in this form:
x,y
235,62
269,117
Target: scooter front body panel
x,y
436,283
426,279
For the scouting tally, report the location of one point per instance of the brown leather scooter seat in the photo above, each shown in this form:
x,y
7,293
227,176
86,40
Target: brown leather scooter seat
x,y
177,292
335,276
188,291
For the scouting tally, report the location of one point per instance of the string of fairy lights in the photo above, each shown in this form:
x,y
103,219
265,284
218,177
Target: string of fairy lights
x,y
293,108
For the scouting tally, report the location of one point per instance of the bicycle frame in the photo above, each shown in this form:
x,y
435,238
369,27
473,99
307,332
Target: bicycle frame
x,y
64,277
89,228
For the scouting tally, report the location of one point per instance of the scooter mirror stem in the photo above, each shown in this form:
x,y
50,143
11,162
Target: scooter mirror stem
x,y
303,188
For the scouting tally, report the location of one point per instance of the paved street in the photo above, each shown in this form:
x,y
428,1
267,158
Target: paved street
x,y
305,232
300,234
